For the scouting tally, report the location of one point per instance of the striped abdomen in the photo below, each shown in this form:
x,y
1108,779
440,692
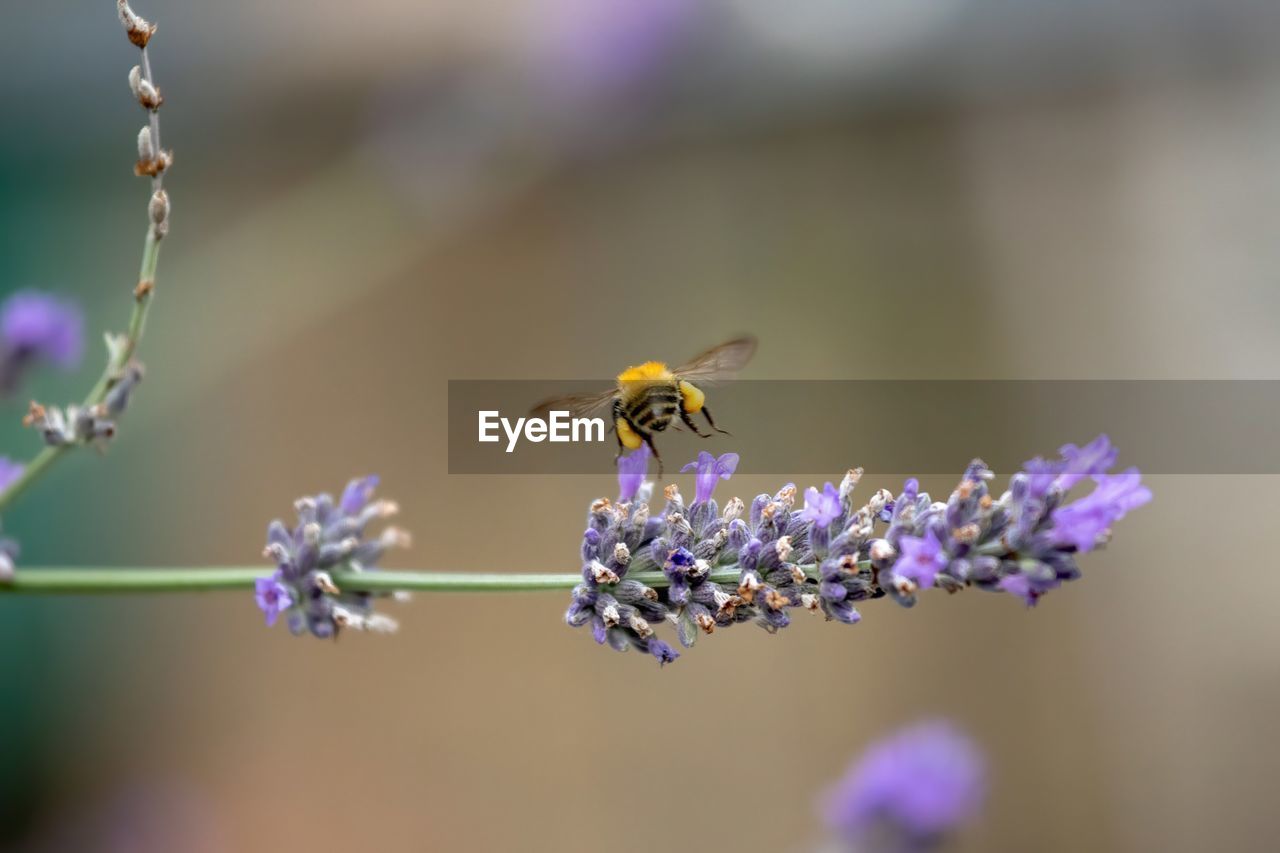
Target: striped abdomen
x,y
652,406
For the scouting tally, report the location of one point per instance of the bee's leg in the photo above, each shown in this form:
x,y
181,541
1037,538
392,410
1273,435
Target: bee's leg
x,y
706,413
648,439
622,448
688,421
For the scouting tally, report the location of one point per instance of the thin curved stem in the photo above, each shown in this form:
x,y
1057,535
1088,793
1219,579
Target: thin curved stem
x,y
120,356
93,581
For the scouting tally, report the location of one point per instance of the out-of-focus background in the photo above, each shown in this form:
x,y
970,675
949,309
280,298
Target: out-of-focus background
x,y
372,199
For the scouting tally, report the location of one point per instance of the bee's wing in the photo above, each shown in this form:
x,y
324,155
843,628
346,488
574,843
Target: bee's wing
x,y
579,405
721,361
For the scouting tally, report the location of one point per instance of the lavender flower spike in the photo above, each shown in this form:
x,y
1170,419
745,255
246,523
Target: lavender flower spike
x,y
702,568
328,537
709,470
34,327
909,790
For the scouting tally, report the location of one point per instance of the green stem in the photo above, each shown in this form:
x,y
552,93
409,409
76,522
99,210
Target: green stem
x,y
31,473
76,581
81,580
137,324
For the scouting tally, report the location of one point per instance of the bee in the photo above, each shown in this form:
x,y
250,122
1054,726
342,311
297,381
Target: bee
x,y
649,397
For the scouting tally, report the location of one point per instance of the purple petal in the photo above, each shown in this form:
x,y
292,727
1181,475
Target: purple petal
x,y
357,494
9,471
632,468
924,781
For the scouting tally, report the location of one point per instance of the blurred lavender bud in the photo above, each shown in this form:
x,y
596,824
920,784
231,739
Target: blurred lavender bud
x,y
638,624
143,91
733,510
117,399
600,573
138,29
157,165
882,553
325,583
609,613
621,554
158,209
52,424
90,427
950,583
328,536
380,623
116,345
849,482
146,148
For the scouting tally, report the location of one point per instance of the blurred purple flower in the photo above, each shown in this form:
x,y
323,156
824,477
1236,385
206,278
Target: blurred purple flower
x,y
597,48
36,326
821,508
710,469
1083,522
273,596
914,786
632,468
